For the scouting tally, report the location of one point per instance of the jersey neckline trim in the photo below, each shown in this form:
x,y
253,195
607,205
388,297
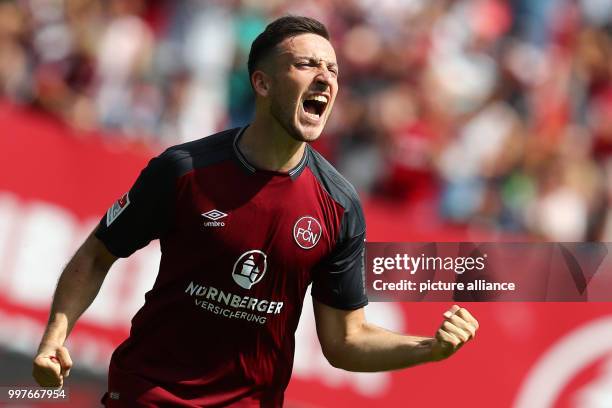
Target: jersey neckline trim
x,y
293,173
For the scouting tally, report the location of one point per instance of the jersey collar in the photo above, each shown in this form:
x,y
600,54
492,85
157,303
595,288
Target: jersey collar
x,y
244,163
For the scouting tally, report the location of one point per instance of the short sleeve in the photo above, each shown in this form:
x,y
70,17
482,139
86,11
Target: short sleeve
x,y
340,281
142,214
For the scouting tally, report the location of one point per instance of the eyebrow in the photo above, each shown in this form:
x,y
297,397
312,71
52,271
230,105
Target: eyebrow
x,y
313,59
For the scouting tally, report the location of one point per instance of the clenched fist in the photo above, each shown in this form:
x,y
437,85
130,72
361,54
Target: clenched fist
x,y
458,328
51,365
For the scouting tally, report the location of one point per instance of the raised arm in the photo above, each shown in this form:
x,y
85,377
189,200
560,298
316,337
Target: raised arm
x,y
76,289
352,344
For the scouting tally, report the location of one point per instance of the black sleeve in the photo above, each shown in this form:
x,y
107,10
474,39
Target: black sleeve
x,y
340,282
142,214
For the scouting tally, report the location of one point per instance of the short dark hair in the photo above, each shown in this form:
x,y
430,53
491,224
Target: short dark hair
x,y
277,31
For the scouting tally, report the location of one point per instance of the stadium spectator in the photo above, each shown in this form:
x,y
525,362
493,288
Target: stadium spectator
x,y
433,91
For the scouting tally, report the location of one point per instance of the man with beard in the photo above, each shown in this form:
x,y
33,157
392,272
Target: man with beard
x,y
247,219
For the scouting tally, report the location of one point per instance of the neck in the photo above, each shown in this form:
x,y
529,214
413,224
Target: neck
x,y
267,146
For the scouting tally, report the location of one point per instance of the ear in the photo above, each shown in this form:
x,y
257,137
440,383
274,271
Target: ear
x,y
261,83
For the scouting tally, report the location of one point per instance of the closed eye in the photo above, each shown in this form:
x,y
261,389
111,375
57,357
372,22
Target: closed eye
x,y
333,68
306,64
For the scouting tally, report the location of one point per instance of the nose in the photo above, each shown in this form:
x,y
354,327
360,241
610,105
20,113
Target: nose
x,y
325,78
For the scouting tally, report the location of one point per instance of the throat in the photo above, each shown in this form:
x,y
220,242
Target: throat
x,y
270,152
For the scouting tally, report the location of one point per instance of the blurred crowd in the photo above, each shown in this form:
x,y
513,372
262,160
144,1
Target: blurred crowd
x,y
496,112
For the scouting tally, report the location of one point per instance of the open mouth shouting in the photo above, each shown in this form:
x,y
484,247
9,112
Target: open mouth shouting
x,y
314,106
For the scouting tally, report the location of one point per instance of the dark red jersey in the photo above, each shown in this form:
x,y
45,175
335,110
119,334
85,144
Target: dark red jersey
x,y
239,248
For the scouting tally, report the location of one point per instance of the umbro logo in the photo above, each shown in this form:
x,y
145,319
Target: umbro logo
x,y
214,216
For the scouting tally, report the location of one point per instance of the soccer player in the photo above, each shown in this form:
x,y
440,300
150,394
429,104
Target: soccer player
x,y
247,219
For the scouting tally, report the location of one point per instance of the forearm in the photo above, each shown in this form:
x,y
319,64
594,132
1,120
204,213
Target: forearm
x,y
77,287
370,348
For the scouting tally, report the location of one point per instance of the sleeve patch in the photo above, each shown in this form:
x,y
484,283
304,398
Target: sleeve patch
x,y
117,208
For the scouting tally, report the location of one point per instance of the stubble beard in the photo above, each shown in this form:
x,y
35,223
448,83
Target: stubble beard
x,y
285,118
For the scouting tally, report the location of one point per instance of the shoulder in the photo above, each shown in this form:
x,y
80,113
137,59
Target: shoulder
x,y
336,185
209,150
340,189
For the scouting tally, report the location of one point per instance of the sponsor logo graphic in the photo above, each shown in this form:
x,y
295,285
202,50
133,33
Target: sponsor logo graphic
x,y
117,208
250,268
214,216
307,232
232,306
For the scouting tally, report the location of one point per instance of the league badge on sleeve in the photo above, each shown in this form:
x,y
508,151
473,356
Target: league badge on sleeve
x,y
117,208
